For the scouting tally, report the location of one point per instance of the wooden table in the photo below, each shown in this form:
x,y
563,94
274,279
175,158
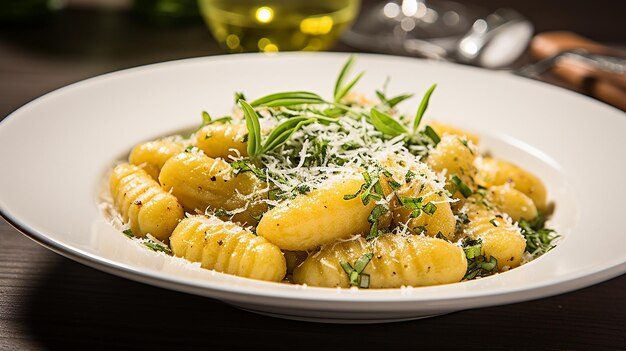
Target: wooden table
x,y
50,302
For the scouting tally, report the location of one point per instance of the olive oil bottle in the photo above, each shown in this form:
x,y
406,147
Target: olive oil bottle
x,y
277,25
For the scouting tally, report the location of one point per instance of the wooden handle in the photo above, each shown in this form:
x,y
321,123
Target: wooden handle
x,y
610,88
549,44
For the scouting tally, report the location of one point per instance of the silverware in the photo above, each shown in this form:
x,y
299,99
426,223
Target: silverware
x,y
605,63
495,41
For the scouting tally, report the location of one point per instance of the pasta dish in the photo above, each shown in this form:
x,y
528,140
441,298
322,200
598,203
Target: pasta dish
x,y
345,191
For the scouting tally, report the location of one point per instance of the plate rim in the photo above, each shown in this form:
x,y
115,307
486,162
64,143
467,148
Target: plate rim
x,y
569,282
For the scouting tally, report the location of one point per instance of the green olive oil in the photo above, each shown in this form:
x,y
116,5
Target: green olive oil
x,y
277,25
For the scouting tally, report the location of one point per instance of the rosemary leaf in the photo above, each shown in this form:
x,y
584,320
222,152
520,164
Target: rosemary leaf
x,y
386,124
422,108
254,128
342,76
289,98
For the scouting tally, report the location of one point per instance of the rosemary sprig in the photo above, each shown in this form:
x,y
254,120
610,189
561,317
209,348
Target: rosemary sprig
x,y
422,108
392,102
277,136
283,131
340,89
288,98
254,128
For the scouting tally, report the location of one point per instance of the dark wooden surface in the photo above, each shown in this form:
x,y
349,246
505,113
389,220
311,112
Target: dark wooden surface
x,y
48,302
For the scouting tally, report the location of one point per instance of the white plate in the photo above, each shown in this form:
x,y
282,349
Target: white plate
x,y
56,150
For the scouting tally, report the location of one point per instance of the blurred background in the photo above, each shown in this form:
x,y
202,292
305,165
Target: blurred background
x,y
46,44
51,301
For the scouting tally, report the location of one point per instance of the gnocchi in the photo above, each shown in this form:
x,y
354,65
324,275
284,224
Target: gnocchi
x,y
143,203
341,193
227,247
152,155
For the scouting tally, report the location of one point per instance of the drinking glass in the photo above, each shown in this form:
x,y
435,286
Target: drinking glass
x,y
433,25
277,25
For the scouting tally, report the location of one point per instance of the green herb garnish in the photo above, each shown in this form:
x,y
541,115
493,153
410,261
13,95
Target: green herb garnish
x,y
355,274
369,190
340,89
429,208
466,144
254,128
386,124
289,98
422,108
432,135
373,218
393,184
477,264
206,118
302,189
392,102
244,165
277,136
460,186
155,245
128,233
239,96
283,132
408,177
538,238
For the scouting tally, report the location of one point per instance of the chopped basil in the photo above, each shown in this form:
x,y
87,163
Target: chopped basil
x,y
393,184
538,238
303,189
429,208
362,262
477,264
411,202
432,135
365,281
378,211
460,186
472,248
441,236
157,247
244,165
370,190
128,233
465,143
408,177
373,218
355,274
